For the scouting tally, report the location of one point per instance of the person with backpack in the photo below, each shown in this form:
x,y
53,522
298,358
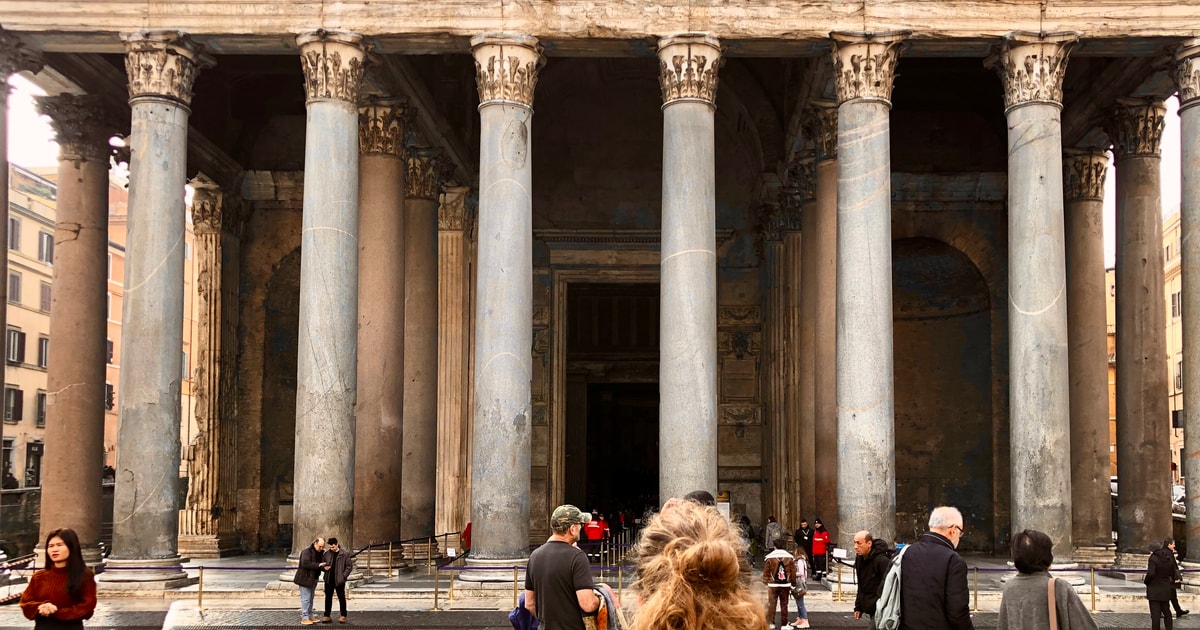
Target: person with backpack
x,y
779,574
870,566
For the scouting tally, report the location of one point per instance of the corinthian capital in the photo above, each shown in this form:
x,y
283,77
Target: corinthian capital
x,y
82,125
506,68
1083,173
821,126
864,64
1032,65
207,204
163,64
1136,126
332,64
687,68
16,57
427,170
1187,73
452,212
382,125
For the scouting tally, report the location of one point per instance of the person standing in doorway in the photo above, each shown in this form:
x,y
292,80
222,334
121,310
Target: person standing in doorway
x,y
339,565
820,546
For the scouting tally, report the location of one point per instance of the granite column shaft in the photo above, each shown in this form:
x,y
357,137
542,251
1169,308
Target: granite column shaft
x,y
326,361
1087,337
824,242
1143,421
161,66
1031,69
378,423
1187,79
506,73
774,328
75,371
688,309
805,466
865,399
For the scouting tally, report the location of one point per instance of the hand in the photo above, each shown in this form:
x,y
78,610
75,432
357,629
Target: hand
x,y
47,609
858,614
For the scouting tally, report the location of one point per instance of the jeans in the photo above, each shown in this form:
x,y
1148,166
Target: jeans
x,y
341,593
801,610
306,601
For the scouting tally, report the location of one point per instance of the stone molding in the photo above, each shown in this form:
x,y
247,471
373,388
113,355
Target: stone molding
x,y
1135,127
1032,66
333,65
452,209
739,343
427,169
687,68
1083,173
16,57
739,414
82,126
822,127
864,64
738,315
208,211
801,176
1186,72
770,222
506,68
163,64
382,127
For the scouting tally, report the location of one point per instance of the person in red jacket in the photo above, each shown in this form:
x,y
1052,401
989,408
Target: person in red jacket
x,y
820,542
64,593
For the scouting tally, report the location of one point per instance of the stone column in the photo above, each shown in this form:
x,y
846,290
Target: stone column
x,y
1143,428
688,312
1031,68
1187,79
453,361
418,495
378,416
162,66
207,524
864,66
775,325
75,373
803,263
506,68
824,241
1087,336
327,358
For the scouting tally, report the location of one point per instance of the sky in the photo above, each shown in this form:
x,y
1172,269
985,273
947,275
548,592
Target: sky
x,y
31,144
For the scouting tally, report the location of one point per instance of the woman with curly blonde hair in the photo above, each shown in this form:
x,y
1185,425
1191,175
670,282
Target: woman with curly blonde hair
x,y
689,573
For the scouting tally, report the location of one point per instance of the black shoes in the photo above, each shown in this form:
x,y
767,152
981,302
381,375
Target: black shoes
x,y
1181,614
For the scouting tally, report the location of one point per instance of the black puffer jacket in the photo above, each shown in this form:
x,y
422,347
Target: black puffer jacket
x,y
871,570
309,570
933,586
1160,574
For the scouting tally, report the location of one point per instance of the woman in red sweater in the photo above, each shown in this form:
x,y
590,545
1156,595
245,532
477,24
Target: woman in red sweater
x,y
63,594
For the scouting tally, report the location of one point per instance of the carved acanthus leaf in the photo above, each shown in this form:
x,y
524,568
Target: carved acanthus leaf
x,y
770,222
163,64
1032,66
822,127
332,65
506,69
82,124
1136,126
452,212
382,125
16,57
864,66
427,170
1186,72
1083,173
688,67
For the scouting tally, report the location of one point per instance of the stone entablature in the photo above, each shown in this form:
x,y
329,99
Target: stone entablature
x,y
1032,66
163,64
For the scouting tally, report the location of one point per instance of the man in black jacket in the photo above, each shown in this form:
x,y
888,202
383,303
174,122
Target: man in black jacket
x,y
803,537
871,565
933,578
338,566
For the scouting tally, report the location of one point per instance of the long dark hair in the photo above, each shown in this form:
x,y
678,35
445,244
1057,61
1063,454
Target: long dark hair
x,y
75,565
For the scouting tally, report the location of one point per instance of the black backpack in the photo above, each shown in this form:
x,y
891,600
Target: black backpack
x,y
781,576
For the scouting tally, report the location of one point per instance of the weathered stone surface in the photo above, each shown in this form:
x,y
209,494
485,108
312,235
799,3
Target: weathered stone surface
x,y
1187,78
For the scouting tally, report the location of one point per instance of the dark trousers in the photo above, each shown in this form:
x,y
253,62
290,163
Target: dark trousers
x,y
1160,610
341,593
1175,599
780,595
818,563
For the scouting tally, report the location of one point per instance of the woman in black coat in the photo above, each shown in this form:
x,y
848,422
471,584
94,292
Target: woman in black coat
x,y
1160,578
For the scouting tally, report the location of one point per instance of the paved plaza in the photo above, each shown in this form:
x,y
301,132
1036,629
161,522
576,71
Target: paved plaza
x,y
245,592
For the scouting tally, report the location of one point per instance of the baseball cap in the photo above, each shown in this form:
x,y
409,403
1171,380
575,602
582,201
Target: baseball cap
x,y
567,515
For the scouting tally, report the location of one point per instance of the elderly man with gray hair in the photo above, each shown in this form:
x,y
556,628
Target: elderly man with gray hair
x,y
933,577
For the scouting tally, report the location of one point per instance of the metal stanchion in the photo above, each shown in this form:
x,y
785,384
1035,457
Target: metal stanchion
x,y
436,589
451,595
1093,571
839,591
389,573
429,552
976,609
620,583
200,592
514,587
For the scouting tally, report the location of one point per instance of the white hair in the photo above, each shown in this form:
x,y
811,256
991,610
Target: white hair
x,y
944,517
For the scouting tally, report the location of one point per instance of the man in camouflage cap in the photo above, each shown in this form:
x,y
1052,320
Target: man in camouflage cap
x,y
558,579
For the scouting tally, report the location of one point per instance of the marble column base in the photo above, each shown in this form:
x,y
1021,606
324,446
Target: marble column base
x,y
210,546
144,574
493,571
1097,557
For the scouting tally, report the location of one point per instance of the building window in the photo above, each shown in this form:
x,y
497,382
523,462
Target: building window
x,y
14,287
110,266
15,352
109,351
109,396
14,233
108,305
33,464
1179,376
7,456
45,297
1168,252
41,409
14,403
186,374
46,247
43,351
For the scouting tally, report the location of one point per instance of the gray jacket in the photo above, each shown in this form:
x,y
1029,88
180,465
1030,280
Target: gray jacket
x,y
1025,605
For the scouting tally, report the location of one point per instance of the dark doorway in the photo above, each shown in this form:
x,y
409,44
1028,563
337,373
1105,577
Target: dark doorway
x,y
612,396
